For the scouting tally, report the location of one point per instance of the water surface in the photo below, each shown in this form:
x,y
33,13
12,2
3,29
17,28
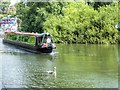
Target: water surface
x,y
77,66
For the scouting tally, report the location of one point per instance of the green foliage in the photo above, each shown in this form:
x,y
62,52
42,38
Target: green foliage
x,y
82,24
34,15
75,22
109,18
119,12
96,5
4,6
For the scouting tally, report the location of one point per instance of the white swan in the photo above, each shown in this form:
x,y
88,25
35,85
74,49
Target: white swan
x,y
52,72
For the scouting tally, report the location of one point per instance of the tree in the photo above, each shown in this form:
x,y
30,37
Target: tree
x,y
75,22
35,14
4,7
82,24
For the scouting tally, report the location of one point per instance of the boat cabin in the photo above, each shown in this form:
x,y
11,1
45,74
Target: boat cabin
x,y
43,38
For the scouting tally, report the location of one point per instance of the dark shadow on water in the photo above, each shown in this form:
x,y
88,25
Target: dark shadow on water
x,y
15,50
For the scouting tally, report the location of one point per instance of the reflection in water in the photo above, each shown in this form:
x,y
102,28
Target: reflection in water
x,y
119,65
91,65
82,66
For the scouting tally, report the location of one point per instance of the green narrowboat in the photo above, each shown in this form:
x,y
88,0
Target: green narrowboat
x,y
39,43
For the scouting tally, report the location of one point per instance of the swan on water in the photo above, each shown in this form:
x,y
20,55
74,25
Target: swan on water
x,y
53,72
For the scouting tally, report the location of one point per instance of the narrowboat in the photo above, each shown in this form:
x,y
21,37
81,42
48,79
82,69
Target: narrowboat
x,y
39,43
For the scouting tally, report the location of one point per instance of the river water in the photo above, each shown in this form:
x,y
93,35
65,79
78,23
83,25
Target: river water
x,y
77,66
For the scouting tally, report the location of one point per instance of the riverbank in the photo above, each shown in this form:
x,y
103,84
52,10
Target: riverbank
x,y
66,42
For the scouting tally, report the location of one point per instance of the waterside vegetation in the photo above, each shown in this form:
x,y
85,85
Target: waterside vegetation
x,y
71,22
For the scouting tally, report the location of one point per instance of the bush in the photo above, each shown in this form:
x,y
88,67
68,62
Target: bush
x,y
75,22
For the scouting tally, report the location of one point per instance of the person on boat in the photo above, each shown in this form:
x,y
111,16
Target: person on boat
x,y
47,39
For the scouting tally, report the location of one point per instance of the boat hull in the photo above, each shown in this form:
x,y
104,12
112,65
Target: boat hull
x,y
28,47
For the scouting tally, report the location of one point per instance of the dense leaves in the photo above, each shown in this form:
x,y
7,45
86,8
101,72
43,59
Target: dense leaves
x,y
75,22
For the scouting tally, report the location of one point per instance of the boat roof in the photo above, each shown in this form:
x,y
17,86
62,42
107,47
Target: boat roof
x,y
26,33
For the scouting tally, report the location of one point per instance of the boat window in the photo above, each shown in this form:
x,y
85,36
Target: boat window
x,y
39,40
25,38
